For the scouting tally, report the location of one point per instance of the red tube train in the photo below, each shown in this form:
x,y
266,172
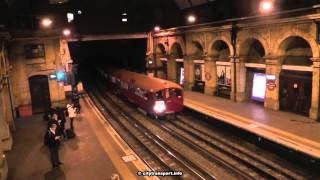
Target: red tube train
x,y
154,96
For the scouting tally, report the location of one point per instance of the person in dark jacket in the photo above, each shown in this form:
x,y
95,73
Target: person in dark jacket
x,y
59,124
61,119
52,141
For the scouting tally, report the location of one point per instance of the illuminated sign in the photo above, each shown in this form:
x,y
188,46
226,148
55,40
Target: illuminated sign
x,y
60,75
259,87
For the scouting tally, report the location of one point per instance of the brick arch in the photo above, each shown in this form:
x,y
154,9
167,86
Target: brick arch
x,y
278,49
223,39
162,46
244,45
195,46
176,44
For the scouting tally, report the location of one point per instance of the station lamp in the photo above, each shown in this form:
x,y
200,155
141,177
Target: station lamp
x,y
191,18
124,17
46,22
66,32
266,6
157,28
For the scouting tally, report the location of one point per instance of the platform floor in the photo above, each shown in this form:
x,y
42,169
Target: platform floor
x,y
294,131
96,153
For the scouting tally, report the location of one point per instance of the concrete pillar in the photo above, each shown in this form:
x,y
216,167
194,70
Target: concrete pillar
x,y
172,69
314,110
188,73
273,67
210,76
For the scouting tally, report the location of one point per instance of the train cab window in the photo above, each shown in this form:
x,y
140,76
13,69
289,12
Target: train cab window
x,y
159,95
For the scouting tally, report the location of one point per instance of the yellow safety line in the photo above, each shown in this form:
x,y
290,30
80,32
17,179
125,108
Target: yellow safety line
x,y
119,141
223,115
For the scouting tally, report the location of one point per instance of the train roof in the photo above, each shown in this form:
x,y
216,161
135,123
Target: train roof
x,y
145,82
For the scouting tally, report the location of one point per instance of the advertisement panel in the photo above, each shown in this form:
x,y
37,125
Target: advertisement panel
x,y
259,87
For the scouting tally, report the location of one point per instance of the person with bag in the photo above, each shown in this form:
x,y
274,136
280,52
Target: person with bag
x,y
72,114
52,141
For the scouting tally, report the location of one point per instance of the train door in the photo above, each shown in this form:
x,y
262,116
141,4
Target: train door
x,y
295,92
40,95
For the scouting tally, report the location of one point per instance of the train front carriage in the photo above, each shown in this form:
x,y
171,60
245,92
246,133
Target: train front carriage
x,y
168,101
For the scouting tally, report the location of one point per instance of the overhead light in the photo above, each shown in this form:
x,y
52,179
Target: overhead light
x,y
266,6
79,12
157,28
66,32
191,18
70,17
124,19
46,22
124,14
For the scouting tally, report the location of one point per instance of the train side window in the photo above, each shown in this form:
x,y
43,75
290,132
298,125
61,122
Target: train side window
x,y
167,93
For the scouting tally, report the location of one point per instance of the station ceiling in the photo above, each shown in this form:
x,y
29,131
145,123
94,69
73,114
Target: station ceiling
x,y
103,16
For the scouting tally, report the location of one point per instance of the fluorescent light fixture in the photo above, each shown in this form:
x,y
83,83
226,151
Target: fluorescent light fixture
x,y
259,87
124,19
70,17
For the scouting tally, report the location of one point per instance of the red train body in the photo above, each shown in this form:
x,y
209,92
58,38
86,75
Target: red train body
x,y
155,96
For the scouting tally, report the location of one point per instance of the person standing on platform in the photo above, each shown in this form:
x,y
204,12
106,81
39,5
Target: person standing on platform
x,y
61,120
71,113
52,141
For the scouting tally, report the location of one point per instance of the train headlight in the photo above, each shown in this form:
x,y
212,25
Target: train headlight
x,y
159,106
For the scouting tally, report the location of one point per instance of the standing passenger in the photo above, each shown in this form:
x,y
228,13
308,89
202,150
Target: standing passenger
x,y
52,140
71,113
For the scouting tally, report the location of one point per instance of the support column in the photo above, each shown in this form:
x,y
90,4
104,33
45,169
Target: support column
x,y
172,69
240,76
273,67
188,73
151,64
314,110
210,76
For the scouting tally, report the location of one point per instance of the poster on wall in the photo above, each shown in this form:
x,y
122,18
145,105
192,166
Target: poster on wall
x,y
181,76
259,87
197,72
224,75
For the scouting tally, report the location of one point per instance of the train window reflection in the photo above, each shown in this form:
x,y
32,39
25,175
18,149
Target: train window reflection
x,y
159,95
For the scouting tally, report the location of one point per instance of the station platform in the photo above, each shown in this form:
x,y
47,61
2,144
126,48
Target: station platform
x,y
294,131
97,152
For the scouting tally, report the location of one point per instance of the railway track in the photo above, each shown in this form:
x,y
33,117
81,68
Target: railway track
x,y
168,158
236,159
248,161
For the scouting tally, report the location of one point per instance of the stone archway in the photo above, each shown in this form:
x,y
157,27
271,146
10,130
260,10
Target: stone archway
x,y
197,74
161,62
175,64
221,68
295,89
250,67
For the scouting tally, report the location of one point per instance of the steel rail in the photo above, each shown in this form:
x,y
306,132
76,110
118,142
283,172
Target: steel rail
x,y
285,173
179,158
109,115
